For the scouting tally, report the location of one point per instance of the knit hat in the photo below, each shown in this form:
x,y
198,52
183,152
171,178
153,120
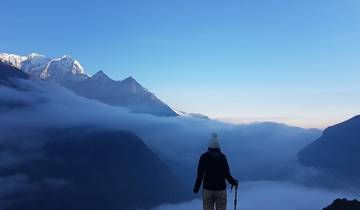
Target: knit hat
x,y
214,142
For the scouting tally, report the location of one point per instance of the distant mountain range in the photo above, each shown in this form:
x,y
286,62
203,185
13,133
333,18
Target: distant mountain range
x,y
337,150
68,72
126,93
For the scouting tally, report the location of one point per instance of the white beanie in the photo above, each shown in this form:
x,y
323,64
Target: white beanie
x,y
214,142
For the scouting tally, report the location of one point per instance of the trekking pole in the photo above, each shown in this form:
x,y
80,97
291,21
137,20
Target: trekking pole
x,y
235,201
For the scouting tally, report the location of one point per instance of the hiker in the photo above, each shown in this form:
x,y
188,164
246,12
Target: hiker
x,y
214,169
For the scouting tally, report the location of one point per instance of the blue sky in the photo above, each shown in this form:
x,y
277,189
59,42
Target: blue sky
x,y
288,61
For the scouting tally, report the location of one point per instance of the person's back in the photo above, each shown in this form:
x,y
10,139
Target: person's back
x,y
213,168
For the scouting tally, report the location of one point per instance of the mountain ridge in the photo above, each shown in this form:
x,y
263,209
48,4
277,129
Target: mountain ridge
x,y
127,93
43,67
336,149
69,73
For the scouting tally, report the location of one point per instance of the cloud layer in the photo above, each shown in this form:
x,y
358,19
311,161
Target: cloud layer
x,y
266,195
262,151
255,151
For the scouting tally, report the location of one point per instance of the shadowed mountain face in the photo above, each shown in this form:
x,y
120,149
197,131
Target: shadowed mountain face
x,y
9,73
126,93
87,168
9,77
337,150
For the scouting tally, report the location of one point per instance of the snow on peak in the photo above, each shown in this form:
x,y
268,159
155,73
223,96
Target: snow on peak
x,y
66,56
43,67
79,67
60,68
35,55
12,59
18,60
70,63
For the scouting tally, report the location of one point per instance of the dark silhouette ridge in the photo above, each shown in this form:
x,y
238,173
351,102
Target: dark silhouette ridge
x,y
9,73
344,204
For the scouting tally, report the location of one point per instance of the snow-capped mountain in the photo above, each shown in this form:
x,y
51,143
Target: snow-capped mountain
x,y
126,93
69,73
64,68
34,64
12,59
42,67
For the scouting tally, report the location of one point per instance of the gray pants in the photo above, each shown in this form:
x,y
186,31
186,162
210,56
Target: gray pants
x,y
215,198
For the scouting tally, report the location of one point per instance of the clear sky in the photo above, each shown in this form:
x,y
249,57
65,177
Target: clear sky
x,y
291,61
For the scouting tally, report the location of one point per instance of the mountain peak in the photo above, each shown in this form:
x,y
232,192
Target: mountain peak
x,y
12,59
66,59
100,75
63,68
132,84
66,56
130,81
129,78
340,141
34,55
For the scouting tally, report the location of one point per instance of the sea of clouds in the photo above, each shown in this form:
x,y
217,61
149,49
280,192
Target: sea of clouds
x,y
258,151
269,195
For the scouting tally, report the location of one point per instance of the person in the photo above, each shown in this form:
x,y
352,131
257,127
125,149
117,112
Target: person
x,y
213,169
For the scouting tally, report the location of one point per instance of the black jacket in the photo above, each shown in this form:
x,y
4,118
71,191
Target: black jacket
x,y
214,169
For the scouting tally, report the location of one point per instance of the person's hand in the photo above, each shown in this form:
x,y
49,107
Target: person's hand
x,y
236,183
